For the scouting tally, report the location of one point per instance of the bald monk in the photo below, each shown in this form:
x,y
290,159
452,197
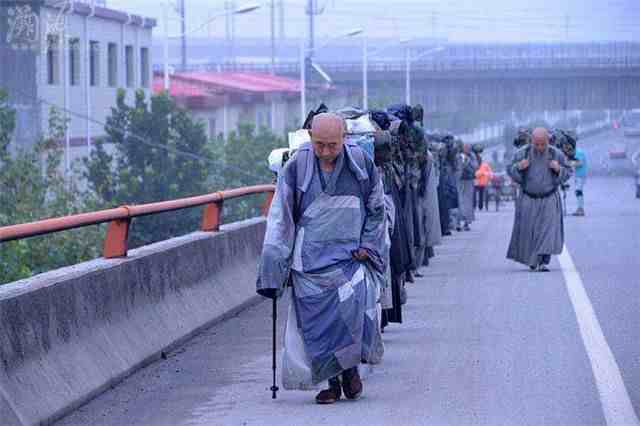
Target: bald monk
x,y
538,230
326,227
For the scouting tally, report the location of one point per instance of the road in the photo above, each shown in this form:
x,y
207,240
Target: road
x,y
485,342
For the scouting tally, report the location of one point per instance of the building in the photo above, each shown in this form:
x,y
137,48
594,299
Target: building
x,y
73,56
224,100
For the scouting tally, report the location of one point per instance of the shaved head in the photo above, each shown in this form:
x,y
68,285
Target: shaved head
x,y
540,139
327,136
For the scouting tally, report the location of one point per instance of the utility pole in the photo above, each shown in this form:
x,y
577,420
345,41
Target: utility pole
x,y
273,36
434,21
183,30
566,82
282,33
308,54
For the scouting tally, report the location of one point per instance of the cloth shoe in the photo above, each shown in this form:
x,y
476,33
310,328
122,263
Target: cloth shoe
x,y
579,212
543,268
351,383
331,395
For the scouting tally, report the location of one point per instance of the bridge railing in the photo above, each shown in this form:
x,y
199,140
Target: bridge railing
x,y
119,219
445,64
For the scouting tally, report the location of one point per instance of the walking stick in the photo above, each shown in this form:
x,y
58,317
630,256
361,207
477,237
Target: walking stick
x,y
274,388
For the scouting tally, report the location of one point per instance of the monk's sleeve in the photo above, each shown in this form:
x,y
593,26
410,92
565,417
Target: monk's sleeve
x,y
275,262
373,231
514,171
566,171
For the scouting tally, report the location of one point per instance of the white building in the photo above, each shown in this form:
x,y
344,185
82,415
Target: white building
x,y
76,59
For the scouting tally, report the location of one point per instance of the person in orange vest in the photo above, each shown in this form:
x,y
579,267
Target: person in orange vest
x,y
484,175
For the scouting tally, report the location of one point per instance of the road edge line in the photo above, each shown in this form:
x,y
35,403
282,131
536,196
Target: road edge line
x,y
614,398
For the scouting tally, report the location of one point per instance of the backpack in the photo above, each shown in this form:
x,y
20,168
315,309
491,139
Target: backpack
x,y
304,159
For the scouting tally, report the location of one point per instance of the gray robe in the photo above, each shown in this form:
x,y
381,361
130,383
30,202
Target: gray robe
x,y
434,230
466,189
312,230
538,226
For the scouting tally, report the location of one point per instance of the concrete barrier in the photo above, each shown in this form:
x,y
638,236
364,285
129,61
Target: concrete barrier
x,y
69,334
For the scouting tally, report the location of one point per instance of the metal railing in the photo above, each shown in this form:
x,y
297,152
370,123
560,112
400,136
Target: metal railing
x,y
119,219
471,64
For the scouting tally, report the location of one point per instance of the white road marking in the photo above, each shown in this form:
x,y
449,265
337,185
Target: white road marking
x,y
614,397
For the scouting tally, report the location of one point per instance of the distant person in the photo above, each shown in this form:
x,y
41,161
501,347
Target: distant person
x,y
580,166
466,189
325,229
484,177
538,230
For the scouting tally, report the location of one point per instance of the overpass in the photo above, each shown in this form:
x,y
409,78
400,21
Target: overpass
x,y
519,77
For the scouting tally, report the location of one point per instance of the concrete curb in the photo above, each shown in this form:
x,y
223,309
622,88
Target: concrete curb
x,y
67,335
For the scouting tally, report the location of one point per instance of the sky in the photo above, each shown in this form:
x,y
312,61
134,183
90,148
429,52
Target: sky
x,y
453,20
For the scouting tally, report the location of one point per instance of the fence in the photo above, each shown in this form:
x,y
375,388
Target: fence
x,y
119,219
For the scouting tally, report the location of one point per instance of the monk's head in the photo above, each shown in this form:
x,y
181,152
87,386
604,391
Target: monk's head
x,y
540,139
327,136
466,148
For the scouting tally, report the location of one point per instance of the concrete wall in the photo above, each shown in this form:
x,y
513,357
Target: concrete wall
x,y
68,334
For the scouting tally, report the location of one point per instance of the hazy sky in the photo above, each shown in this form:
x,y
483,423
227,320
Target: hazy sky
x,y
455,20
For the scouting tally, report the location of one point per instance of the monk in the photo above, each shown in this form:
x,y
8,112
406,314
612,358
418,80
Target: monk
x,y
538,230
325,238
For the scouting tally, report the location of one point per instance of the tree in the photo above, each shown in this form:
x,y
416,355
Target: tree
x,y
243,159
33,188
161,154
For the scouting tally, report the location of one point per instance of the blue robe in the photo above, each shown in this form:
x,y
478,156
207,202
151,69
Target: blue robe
x,y
312,231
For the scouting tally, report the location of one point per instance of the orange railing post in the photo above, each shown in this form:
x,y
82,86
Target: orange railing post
x,y
116,242
266,206
212,217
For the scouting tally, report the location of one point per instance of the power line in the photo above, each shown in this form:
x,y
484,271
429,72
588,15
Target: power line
x,y
143,140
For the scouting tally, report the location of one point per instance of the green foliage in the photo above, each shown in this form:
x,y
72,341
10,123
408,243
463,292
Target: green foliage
x,y
243,163
32,188
147,167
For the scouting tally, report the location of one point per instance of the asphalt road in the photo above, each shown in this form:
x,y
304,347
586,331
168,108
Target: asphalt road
x,y
485,342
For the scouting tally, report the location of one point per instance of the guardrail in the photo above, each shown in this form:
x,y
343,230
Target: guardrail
x,y
119,219
442,65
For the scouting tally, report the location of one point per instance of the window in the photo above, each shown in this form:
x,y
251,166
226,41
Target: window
x,y
112,53
74,61
144,67
128,63
53,60
94,63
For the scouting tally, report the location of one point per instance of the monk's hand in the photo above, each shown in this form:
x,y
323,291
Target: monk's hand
x,y
360,254
555,166
523,165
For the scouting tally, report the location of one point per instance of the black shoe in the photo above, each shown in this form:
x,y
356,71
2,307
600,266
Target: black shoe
x,y
467,228
533,268
351,383
331,395
543,268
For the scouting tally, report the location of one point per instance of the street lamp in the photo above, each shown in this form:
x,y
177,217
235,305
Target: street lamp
x,y
303,66
408,60
247,8
365,67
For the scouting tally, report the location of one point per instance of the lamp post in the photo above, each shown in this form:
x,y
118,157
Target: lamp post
x,y
303,66
365,67
408,60
250,7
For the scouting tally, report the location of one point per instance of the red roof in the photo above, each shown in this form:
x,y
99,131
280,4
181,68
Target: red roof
x,y
179,88
189,94
242,81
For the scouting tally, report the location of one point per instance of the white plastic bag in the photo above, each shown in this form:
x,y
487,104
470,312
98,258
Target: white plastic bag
x,y
296,365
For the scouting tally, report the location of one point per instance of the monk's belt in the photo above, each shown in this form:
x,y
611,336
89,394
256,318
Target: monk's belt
x,y
540,196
